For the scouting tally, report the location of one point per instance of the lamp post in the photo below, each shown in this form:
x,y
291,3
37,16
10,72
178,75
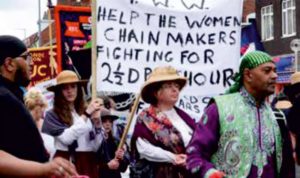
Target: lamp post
x,y
295,46
39,25
43,21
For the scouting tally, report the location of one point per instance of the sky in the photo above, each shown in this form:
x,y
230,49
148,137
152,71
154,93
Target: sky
x,y
19,17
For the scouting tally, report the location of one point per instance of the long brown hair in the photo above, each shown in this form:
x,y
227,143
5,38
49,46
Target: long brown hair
x,y
61,106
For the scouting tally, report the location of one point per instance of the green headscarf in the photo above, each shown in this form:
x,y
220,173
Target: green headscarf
x,y
250,61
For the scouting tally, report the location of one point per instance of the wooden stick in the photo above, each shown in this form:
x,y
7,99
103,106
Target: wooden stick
x,y
50,28
94,54
129,120
52,62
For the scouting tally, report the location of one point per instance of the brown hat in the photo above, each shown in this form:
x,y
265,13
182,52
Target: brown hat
x,y
295,78
66,77
161,74
106,114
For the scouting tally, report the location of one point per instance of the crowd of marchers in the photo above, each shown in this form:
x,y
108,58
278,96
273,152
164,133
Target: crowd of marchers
x,y
240,134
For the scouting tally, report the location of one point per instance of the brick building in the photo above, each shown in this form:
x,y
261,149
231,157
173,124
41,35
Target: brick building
x,y
278,22
32,41
248,9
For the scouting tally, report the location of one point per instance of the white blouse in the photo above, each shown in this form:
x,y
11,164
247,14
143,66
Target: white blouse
x,y
80,131
185,130
49,144
157,154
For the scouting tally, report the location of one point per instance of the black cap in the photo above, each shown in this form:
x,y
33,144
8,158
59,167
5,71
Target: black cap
x,y
10,46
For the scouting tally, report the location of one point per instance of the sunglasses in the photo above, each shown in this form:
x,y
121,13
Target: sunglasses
x,y
27,56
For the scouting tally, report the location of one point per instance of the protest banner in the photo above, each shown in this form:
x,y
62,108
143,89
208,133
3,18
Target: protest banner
x,y
73,31
201,39
43,64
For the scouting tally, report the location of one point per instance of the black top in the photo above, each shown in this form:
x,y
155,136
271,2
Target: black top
x,y
287,169
106,153
19,135
293,122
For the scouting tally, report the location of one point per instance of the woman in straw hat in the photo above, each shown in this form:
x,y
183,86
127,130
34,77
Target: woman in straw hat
x,y
162,131
76,136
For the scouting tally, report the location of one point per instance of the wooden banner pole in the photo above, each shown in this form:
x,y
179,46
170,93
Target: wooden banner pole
x,y
129,121
94,54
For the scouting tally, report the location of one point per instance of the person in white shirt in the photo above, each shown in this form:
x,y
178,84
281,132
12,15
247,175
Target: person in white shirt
x,y
76,136
162,131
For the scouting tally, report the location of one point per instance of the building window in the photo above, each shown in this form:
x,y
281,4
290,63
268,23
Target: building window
x,y
288,18
267,23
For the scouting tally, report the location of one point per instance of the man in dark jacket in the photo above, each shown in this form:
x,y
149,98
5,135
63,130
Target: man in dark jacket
x,y
22,151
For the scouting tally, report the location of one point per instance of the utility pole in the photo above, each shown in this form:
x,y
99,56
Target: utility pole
x,y
39,25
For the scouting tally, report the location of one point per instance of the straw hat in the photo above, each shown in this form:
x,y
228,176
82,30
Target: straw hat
x,y
284,104
161,74
295,78
106,114
66,77
294,88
